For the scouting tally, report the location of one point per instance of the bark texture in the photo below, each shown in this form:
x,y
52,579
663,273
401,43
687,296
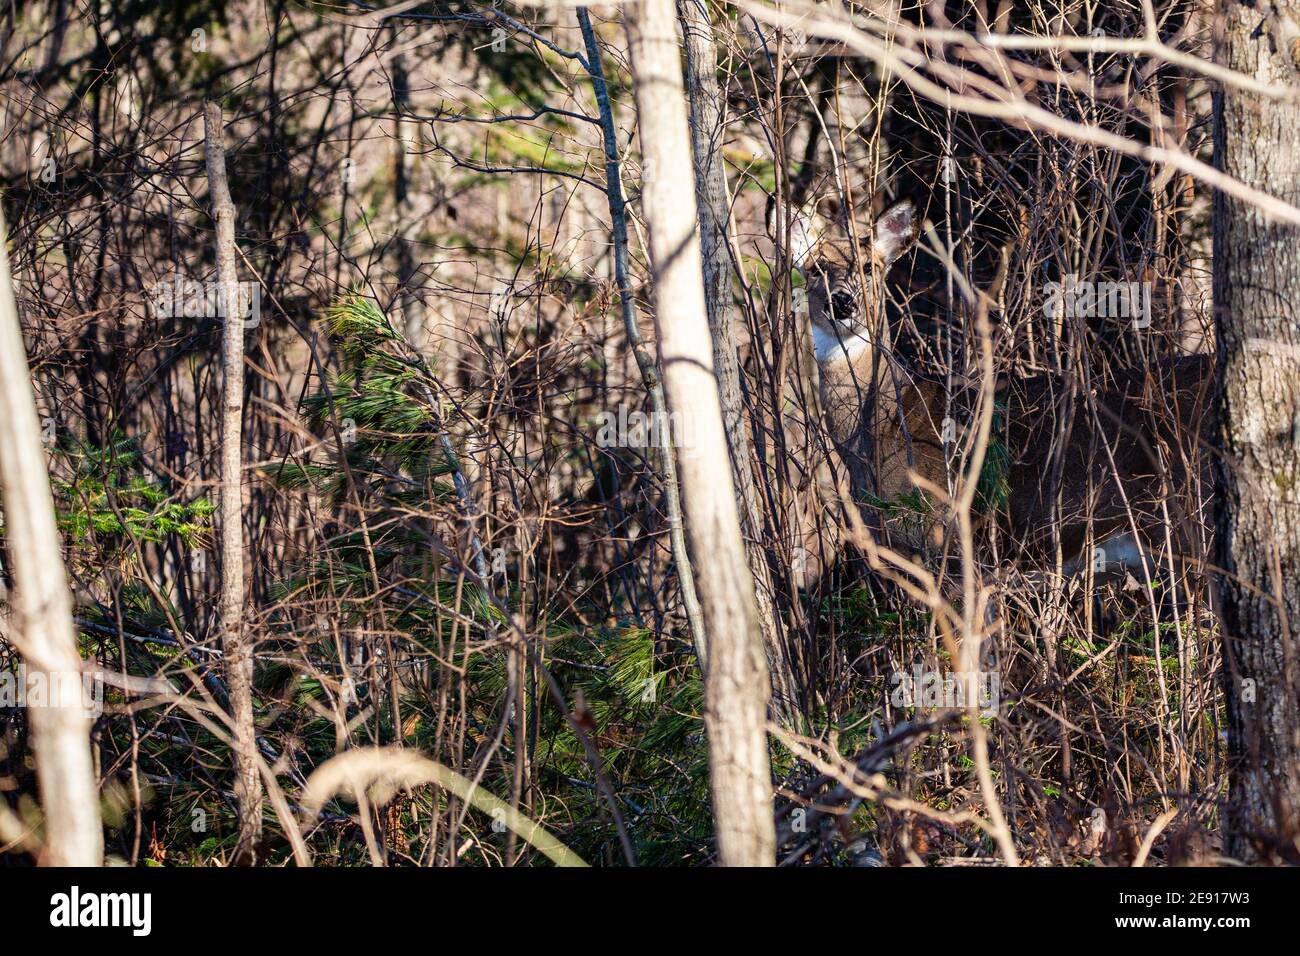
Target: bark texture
x,y
736,683
1257,307
235,642
42,605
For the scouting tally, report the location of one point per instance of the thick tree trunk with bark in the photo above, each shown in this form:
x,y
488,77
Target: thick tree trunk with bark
x,y
42,605
707,128
1257,305
236,644
736,682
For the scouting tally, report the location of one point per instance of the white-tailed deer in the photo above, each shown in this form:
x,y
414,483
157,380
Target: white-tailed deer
x,y
1100,466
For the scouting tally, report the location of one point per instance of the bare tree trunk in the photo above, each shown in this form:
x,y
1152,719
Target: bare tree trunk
x,y
42,603
1257,308
403,138
707,127
645,364
736,682
236,646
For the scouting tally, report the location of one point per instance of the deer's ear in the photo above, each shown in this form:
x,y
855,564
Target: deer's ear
x,y
896,229
802,229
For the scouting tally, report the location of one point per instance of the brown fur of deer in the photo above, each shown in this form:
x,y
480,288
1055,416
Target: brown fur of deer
x,y
1091,466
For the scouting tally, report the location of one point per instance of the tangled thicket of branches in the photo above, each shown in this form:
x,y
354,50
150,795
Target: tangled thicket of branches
x,y
444,553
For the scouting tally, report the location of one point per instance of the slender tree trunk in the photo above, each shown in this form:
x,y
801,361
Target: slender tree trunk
x,y
736,683
1257,307
403,138
42,604
707,127
236,644
645,364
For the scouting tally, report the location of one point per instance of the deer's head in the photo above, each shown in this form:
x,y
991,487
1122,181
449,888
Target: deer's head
x,y
834,272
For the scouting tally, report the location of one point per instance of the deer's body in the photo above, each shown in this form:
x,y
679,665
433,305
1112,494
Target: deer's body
x,y
882,428
1101,465
1109,465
